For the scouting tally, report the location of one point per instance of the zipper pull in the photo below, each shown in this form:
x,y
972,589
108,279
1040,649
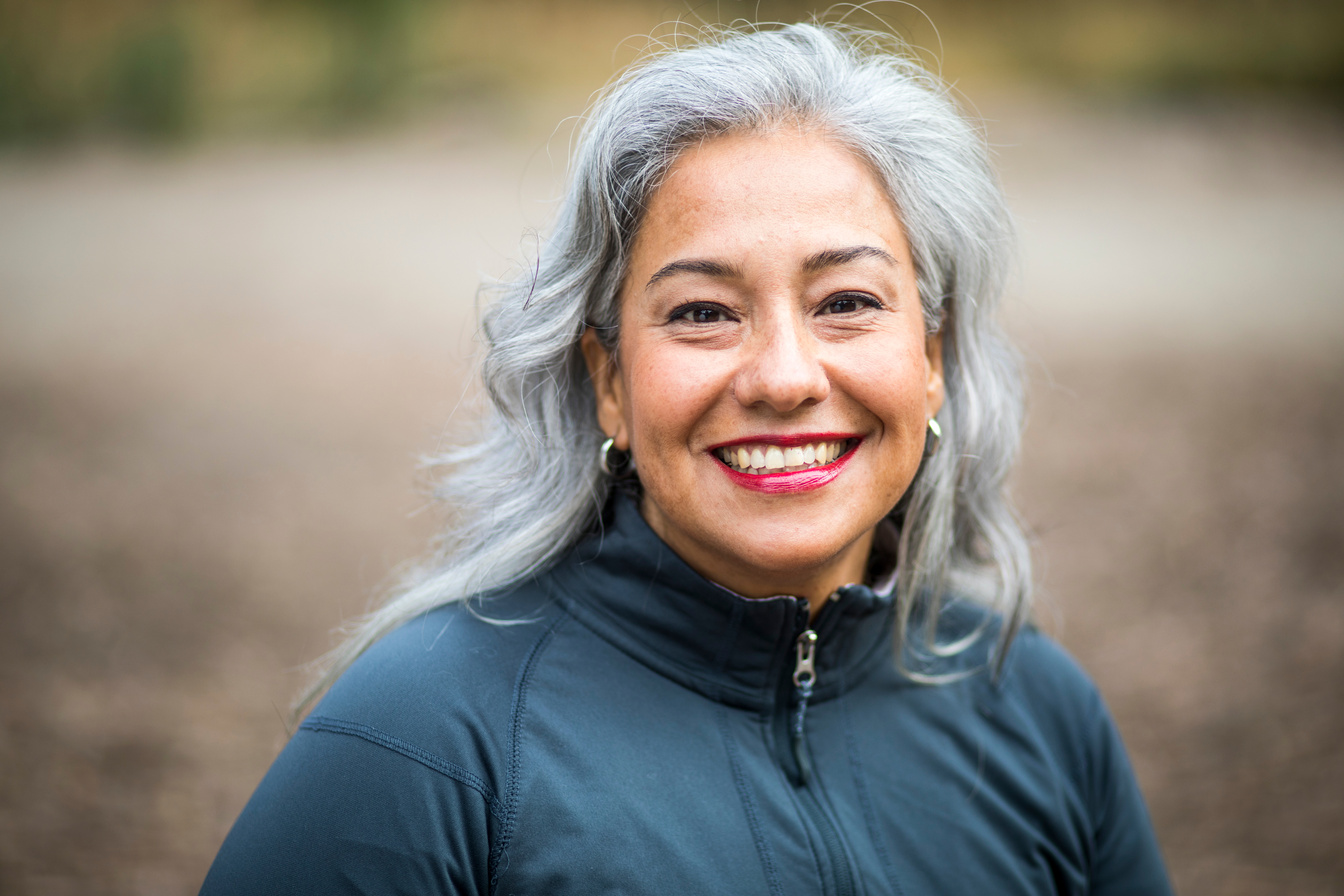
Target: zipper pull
x,y
804,677
805,670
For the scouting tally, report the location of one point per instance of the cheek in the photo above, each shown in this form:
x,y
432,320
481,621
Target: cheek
x,y
669,394
897,395
891,382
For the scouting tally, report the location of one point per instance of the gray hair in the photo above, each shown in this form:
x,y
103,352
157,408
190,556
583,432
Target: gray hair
x,y
531,486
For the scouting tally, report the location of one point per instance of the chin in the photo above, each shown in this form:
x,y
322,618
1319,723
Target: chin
x,y
785,566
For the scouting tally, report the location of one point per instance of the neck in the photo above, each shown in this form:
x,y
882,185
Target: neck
x,y
815,583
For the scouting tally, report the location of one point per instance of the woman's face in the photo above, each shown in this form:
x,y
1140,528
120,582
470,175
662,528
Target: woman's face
x,y
773,379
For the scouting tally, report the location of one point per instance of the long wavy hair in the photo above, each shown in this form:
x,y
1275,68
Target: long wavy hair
x,y
530,486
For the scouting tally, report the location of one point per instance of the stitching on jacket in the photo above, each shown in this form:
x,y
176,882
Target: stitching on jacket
x,y
819,862
497,852
865,799
749,804
410,751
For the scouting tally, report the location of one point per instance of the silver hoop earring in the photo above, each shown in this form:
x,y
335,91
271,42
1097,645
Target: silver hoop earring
x,y
614,461
933,438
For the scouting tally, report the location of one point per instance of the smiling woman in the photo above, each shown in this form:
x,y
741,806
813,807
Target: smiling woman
x,y
736,602
770,312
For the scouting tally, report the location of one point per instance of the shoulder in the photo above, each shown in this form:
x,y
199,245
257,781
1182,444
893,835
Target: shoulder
x,y
1042,722
1040,673
1043,703
442,673
1035,667
1038,711
394,783
1039,692
1042,683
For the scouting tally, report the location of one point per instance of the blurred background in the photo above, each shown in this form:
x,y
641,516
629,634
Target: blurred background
x,y
240,242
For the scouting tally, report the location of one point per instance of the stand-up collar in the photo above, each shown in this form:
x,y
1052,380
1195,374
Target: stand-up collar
x,y
630,588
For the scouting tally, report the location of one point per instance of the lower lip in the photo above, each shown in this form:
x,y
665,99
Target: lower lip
x,y
798,481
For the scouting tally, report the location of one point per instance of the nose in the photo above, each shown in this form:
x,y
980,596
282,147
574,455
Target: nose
x,y
781,369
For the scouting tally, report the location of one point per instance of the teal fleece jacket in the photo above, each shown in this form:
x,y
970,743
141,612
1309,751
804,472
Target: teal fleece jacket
x,y
638,729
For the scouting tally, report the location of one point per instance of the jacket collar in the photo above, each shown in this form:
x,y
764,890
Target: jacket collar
x,y
631,589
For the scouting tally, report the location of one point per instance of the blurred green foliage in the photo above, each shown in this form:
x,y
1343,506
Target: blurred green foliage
x,y
159,70
149,84
370,60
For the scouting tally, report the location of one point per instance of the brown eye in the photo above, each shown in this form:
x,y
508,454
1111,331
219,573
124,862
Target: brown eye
x,y
848,303
700,314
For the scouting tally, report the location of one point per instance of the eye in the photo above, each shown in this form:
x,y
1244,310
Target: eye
x,y
848,303
700,313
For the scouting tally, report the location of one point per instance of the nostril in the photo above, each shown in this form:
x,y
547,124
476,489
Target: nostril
x,y
783,380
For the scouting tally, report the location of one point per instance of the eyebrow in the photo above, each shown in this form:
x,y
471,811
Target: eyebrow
x,y
694,266
827,258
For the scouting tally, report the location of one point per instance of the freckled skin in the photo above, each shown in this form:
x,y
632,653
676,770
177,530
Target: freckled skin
x,y
764,340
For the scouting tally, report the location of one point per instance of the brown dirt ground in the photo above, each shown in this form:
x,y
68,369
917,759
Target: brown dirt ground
x,y
184,518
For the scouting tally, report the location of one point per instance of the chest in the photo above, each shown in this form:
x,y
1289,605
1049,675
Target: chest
x,y
655,789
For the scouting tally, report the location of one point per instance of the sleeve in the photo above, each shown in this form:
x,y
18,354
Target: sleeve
x,y
347,809
1126,860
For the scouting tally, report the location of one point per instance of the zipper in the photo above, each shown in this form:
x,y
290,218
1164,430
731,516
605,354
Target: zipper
x,y
804,681
804,677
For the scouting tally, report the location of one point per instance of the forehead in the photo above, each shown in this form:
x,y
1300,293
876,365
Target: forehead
x,y
749,192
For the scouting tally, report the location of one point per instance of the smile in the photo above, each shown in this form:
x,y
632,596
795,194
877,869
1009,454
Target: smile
x,y
762,458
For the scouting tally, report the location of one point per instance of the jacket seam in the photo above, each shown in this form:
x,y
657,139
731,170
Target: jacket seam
x,y
866,799
498,851
749,804
329,725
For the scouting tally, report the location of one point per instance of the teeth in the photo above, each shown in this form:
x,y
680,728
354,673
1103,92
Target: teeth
x,y
760,459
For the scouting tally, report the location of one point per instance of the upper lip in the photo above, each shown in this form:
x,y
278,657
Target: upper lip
x,y
788,440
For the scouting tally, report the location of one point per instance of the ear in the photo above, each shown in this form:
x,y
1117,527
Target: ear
x,y
933,366
608,386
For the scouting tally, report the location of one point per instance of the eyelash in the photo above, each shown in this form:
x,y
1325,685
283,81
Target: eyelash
x,y
858,298
683,312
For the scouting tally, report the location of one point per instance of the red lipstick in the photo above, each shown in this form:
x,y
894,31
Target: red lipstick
x,y
798,480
